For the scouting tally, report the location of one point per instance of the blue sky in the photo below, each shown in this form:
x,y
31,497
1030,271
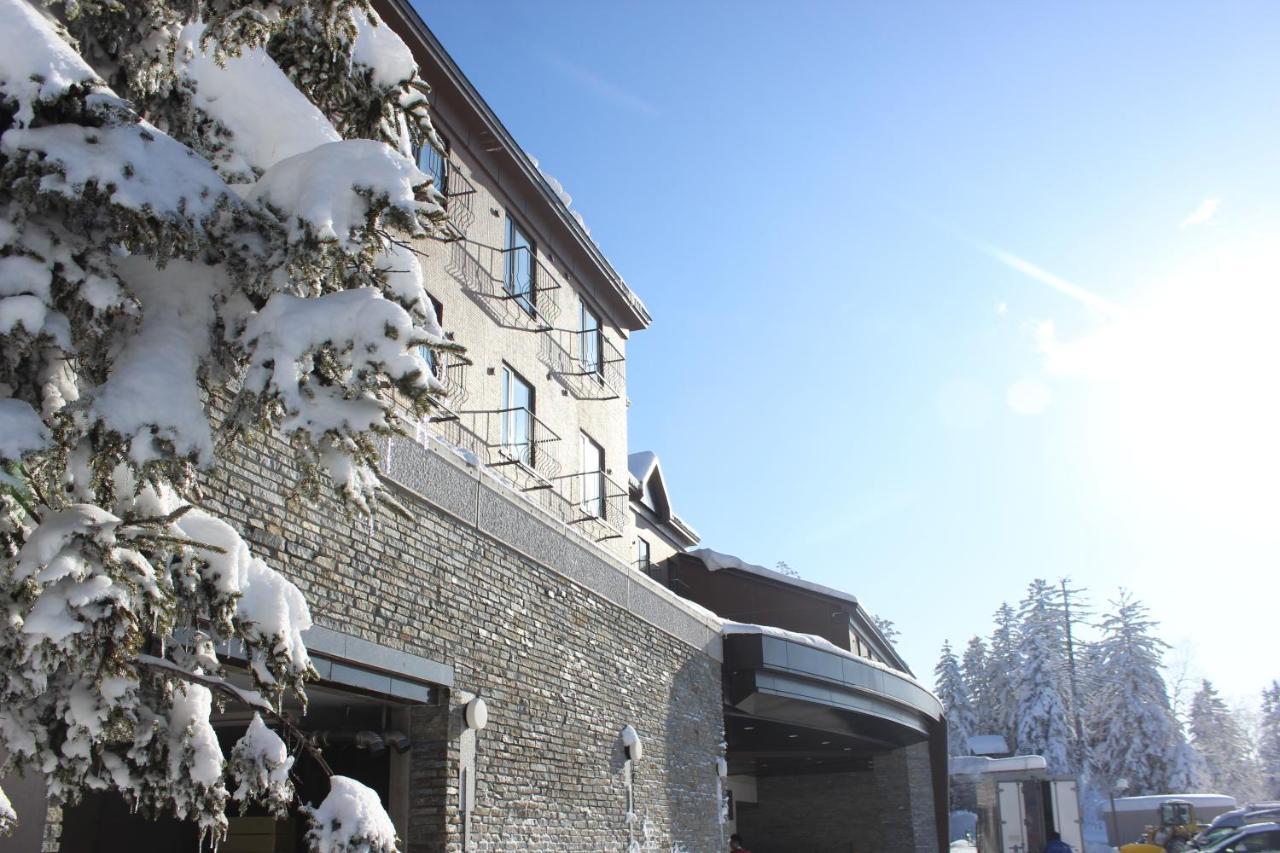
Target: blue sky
x,y
946,296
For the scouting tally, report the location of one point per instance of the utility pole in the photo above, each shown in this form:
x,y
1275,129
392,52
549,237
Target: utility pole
x,y
1071,674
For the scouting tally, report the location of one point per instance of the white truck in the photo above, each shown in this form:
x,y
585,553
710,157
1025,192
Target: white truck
x,y
1019,803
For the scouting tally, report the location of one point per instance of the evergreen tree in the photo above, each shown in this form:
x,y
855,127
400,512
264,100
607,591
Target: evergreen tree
x,y
977,681
1134,733
1222,744
204,215
1269,742
954,696
1043,727
1004,664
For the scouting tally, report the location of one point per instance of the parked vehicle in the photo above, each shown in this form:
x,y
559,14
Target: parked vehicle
x,y
1228,823
1253,838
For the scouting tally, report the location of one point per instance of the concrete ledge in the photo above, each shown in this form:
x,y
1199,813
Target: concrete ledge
x,y
398,665
439,477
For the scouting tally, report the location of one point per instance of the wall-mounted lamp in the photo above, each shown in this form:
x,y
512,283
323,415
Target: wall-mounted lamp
x,y
631,743
477,714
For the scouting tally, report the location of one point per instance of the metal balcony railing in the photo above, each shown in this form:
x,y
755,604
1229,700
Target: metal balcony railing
x,y
513,440
512,286
450,370
586,363
595,501
459,194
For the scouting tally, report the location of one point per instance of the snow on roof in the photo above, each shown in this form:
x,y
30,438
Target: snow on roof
x,y
1152,802
730,627
988,745
976,765
716,561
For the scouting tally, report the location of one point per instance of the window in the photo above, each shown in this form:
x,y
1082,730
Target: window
x,y
427,353
592,477
436,164
517,417
642,554
519,281
589,340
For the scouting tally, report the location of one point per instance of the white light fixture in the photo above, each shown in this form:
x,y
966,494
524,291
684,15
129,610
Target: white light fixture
x,y
477,714
631,743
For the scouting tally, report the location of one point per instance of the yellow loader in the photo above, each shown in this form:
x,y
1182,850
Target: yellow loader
x,y
1172,833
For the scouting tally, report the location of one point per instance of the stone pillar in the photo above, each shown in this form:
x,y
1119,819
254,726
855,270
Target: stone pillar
x,y
905,786
433,793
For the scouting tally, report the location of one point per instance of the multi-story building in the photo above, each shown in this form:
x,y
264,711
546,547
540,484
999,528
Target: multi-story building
x,y
487,656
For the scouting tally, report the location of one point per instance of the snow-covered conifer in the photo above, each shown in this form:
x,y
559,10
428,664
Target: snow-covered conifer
x,y
1043,726
1269,742
975,668
204,211
1134,733
1223,746
1004,663
950,688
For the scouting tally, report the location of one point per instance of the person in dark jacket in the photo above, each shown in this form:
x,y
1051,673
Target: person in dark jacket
x,y
735,844
1056,844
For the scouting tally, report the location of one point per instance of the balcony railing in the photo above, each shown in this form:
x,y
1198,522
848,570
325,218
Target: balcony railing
x,y
512,286
590,502
512,439
450,370
587,363
595,501
459,194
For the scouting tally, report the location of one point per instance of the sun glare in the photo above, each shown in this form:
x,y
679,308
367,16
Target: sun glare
x,y
1184,399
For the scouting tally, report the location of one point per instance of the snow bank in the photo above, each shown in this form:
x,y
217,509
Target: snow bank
x,y
21,430
269,119
350,820
36,64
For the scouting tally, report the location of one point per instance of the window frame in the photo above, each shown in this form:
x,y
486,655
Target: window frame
x,y
527,299
591,452
511,421
594,334
441,175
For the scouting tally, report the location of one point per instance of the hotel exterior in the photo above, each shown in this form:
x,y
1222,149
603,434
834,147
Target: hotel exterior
x,y
487,656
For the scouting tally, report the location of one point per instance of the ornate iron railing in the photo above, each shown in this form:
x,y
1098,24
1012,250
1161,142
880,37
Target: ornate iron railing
x,y
586,363
512,286
595,501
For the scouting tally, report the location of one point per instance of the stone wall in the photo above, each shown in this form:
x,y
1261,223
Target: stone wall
x,y
566,646
888,808
817,813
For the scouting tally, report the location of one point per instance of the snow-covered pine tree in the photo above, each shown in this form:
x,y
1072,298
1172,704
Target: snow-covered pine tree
x,y
1134,733
950,687
1269,742
1220,739
1004,663
1043,726
204,210
975,669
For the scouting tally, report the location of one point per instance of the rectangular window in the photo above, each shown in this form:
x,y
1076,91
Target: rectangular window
x,y
436,164
642,554
519,280
589,340
592,475
428,354
517,417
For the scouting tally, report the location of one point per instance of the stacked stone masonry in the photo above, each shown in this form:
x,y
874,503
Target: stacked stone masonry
x,y
561,668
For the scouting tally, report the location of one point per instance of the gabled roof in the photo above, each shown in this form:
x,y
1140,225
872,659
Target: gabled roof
x,y
649,488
